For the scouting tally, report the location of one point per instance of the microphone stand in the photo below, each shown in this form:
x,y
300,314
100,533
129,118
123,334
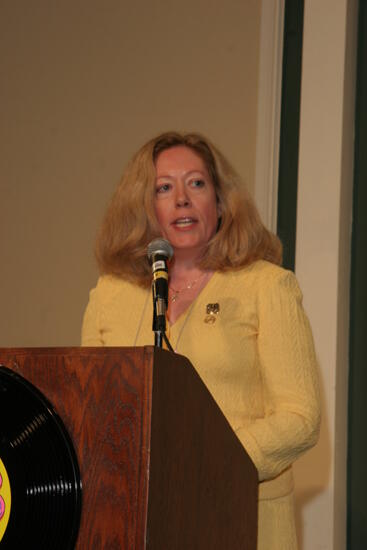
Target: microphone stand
x,y
159,322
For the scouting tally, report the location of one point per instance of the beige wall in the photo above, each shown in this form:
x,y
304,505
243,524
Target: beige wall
x,y
83,85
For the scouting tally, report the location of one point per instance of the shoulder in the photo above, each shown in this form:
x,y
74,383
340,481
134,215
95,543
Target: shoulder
x,y
110,288
259,274
272,279
260,281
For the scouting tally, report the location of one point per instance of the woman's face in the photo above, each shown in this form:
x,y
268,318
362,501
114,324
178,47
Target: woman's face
x,y
185,201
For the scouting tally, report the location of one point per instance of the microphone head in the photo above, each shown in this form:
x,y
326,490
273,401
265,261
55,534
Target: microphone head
x,y
161,247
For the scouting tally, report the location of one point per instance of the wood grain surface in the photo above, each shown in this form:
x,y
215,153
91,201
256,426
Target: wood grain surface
x,y
104,401
161,468
203,487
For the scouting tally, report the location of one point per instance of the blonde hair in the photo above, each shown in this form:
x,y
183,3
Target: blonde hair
x,y
130,222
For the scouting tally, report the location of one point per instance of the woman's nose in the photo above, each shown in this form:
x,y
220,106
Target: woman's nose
x,y
182,197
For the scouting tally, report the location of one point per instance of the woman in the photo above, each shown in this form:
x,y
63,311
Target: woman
x,y
225,286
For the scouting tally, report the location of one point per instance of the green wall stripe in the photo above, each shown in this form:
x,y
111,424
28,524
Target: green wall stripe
x,y
357,419
289,129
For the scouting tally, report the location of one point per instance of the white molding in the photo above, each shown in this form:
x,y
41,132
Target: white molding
x,y
268,110
323,253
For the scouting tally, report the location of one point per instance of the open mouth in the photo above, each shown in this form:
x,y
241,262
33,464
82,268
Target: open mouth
x,y
184,222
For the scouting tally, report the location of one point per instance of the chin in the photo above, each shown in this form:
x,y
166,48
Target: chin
x,y
194,248
185,244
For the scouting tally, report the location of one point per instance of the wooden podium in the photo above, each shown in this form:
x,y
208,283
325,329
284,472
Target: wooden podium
x,y
161,468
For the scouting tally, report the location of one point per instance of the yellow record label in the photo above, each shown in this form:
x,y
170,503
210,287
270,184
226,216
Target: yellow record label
x,y
5,499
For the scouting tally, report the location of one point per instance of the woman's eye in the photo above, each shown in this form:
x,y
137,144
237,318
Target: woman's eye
x,y
198,183
163,188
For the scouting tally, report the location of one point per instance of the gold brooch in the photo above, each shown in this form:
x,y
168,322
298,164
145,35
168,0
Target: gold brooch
x,y
212,311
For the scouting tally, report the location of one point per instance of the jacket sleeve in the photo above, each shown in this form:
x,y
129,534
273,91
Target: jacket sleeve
x,y
289,373
91,332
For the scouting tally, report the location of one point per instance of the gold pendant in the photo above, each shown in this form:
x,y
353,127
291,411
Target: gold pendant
x,y
212,311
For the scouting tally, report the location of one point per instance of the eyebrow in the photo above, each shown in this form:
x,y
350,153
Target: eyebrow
x,y
191,172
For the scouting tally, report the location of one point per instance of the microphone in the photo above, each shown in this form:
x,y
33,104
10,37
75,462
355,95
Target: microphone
x,y
159,252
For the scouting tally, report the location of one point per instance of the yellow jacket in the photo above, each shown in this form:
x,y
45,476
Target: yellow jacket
x,y
257,358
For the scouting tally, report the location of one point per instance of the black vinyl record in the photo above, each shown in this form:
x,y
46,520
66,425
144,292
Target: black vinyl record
x,y
38,458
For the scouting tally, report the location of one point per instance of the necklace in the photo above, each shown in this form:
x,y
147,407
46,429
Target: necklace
x,y
188,286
